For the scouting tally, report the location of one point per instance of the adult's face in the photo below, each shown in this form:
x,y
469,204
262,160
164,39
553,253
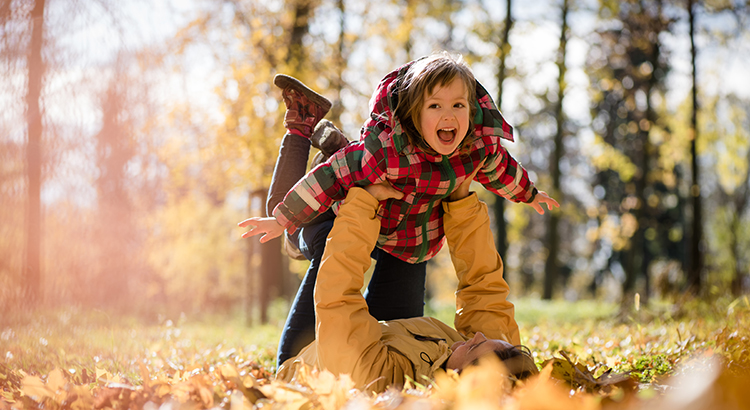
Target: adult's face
x,y
465,353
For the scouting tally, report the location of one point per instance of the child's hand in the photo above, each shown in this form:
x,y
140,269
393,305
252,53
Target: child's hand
x,y
542,198
383,191
267,226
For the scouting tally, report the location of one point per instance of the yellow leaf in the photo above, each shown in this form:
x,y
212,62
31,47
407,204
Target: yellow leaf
x,y
33,387
483,385
55,380
206,395
228,371
145,374
100,373
7,396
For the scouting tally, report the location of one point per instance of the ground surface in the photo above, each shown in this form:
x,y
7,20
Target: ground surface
x,y
689,355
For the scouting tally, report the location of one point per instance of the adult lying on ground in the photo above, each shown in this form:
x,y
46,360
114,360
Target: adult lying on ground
x,y
381,354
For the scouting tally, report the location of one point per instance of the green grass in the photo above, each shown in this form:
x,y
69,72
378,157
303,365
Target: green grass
x,y
531,312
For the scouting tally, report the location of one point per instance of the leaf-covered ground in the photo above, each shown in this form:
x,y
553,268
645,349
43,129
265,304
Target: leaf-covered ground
x,y
692,356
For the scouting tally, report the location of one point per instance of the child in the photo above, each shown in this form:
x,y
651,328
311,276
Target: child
x,y
431,126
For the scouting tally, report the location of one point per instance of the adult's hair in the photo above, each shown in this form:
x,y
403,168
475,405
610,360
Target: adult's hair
x,y
438,69
518,361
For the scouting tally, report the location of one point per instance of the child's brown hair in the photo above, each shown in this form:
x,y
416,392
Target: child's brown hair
x,y
438,69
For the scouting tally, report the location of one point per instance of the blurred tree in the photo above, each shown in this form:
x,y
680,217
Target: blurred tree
x,y
695,267
13,178
631,71
495,34
115,149
551,267
503,50
340,58
35,66
733,163
725,143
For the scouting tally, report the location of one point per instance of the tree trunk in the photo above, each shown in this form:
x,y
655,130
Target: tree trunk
x,y
114,151
501,230
696,253
738,252
551,267
32,268
296,58
340,63
734,248
271,284
251,268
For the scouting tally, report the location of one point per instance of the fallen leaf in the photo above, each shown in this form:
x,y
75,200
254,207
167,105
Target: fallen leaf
x,y
35,388
55,380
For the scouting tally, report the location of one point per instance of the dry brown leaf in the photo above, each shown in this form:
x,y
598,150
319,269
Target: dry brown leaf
x,y
577,375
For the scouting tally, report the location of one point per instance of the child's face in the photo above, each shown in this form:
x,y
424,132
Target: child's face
x,y
445,117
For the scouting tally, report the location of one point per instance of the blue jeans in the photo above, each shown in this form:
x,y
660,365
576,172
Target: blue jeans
x,y
396,289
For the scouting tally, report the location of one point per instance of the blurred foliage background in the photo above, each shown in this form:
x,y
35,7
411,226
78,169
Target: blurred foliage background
x,y
135,135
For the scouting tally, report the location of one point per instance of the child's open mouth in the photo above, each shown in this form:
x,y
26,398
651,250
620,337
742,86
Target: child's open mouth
x,y
446,134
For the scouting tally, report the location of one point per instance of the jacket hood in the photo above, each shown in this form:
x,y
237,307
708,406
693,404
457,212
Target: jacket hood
x,y
488,121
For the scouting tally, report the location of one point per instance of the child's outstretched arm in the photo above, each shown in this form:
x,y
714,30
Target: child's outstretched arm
x,y
542,198
267,226
502,174
353,165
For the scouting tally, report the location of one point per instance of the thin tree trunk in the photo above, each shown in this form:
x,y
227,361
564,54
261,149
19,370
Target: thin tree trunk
x,y
734,248
32,268
252,271
340,63
271,281
551,268
501,229
738,253
696,253
651,118
296,58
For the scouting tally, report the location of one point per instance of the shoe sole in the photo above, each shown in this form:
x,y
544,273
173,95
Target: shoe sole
x,y
284,81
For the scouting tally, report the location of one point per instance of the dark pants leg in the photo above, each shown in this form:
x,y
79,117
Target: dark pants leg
x,y
299,329
291,166
396,290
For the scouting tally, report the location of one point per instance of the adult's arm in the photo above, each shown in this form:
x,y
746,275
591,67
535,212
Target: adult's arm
x,y
348,337
482,292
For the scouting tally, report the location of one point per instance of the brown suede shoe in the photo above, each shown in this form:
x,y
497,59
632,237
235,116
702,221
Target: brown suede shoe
x,y
327,138
304,107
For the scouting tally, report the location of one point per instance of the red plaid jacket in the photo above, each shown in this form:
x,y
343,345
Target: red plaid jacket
x,y
411,228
